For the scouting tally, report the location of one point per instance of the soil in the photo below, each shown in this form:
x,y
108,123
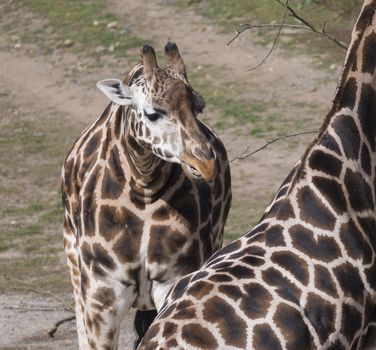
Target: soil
x,y
26,319
296,83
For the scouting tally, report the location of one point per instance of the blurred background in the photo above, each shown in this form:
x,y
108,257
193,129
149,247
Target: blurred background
x,y
51,55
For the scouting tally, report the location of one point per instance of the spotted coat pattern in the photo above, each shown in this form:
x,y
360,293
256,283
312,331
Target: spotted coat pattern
x,y
136,219
305,276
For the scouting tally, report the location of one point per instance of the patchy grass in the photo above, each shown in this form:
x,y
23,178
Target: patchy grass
x,y
225,11
234,109
34,272
30,206
47,25
243,217
246,213
79,27
338,16
255,118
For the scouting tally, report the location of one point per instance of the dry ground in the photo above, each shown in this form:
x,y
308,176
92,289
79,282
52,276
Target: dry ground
x,y
48,97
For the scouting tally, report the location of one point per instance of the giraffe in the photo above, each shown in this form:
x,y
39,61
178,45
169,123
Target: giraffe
x,y
146,190
305,276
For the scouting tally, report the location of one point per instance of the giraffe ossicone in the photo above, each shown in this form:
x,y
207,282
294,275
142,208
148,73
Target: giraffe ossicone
x,y
305,276
146,191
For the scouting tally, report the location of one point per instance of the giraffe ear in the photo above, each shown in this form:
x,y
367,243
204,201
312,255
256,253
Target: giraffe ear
x,y
116,91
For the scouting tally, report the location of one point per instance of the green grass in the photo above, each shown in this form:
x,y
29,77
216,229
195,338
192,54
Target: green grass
x,y
50,24
269,10
337,13
227,12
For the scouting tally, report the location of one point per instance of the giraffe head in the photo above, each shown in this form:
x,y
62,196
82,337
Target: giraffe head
x,y
165,109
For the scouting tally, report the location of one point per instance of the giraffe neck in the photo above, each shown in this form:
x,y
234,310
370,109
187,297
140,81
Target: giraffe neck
x,y
355,95
149,173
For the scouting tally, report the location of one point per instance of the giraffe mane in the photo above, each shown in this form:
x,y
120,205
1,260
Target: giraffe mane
x,y
359,31
135,73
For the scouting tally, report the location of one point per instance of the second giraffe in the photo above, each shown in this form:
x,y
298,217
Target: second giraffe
x,y
146,193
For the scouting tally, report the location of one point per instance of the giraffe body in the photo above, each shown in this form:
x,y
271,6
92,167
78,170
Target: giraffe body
x,y
146,192
305,276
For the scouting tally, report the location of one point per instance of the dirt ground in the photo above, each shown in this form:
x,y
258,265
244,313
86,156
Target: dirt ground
x,y
36,83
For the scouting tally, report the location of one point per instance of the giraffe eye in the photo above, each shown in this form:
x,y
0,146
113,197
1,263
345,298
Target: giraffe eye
x,y
152,116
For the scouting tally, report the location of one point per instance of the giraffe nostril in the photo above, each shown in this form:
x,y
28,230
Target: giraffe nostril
x,y
194,171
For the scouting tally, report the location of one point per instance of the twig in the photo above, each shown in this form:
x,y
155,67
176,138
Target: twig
x,y
323,32
292,11
274,41
305,26
244,154
53,330
245,26
41,291
30,287
27,309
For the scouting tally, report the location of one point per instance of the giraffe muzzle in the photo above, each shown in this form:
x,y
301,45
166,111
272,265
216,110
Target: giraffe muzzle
x,y
200,169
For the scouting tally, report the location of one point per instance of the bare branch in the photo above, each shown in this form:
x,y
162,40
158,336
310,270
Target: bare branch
x,y
244,154
294,14
304,26
323,32
32,288
274,41
33,309
54,328
324,26
243,27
